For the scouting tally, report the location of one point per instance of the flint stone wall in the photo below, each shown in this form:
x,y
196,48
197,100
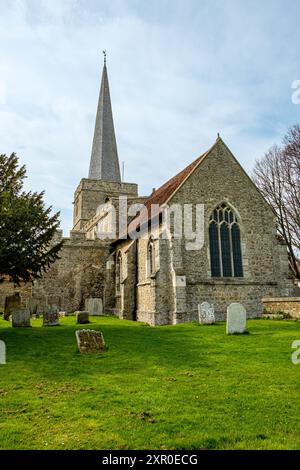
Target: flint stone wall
x,y
78,275
286,305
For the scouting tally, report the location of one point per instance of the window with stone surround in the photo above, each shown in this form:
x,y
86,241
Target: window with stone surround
x,y
225,243
150,259
118,272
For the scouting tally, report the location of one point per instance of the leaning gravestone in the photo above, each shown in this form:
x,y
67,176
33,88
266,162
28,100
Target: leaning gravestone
x,y
51,317
206,313
82,317
20,318
11,302
236,319
94,306
90,341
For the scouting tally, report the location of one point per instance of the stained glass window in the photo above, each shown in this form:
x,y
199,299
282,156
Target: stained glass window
x,y
226,250
214,250
236,250
225,243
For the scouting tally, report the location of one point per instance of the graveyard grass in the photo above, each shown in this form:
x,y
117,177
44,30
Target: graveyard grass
x,y
174,387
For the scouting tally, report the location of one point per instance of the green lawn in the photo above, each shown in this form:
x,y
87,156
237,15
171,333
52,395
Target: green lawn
x,y
171,387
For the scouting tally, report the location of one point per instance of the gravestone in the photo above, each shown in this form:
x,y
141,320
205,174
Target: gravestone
x,y
11,302
94,306
206,313
51,317
20,318
2,352
82,317
90,341
236,319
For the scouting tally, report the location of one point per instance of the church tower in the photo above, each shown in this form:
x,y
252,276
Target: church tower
x,y
104,180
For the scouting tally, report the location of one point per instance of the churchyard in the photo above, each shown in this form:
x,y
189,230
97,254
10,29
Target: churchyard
x,y
189,386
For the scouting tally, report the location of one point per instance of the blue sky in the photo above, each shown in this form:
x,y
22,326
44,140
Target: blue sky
x,y
180,71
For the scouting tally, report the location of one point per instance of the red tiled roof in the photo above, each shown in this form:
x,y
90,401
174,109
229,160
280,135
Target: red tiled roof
x,y
162,195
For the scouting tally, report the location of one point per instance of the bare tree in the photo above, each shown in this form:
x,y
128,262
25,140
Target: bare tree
x,y
277,175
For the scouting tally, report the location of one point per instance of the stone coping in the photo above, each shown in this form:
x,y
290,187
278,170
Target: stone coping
x,y
281,299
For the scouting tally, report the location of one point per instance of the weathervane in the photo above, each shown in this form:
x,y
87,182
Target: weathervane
x,y
104,53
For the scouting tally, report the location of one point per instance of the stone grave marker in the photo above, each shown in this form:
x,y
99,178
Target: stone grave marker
x,y
236,319
20,318
51,317
2,352
94,306
206,313
82,317
90,341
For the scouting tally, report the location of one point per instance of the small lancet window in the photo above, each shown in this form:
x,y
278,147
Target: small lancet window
x,y
118,272
150,259
225,243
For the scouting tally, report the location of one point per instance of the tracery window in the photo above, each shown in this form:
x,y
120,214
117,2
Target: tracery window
x,y
225,243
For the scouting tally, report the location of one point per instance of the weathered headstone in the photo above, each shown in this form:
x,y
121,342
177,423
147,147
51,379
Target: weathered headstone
x,y
20,318
90,341
94,306
11,302
51,317
206,313
82,317
2,352
236,319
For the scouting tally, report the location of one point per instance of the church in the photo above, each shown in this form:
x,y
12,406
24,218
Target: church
x,y
145,271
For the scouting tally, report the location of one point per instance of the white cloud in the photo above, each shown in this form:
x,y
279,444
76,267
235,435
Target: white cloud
x,y
179,73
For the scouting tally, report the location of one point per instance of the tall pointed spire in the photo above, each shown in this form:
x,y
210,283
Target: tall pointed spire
x,y
104,164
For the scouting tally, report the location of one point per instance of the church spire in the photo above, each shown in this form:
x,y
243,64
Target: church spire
x,y
104,164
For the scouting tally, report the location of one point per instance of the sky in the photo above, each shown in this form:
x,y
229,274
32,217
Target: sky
x,y
180,71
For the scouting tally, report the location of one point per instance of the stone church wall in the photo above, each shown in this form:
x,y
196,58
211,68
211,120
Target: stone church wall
x,y
221,179
282,305
77,275
91,193
7,288
184,279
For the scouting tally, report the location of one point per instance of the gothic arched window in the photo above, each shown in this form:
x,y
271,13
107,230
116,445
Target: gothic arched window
x,y
225,243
